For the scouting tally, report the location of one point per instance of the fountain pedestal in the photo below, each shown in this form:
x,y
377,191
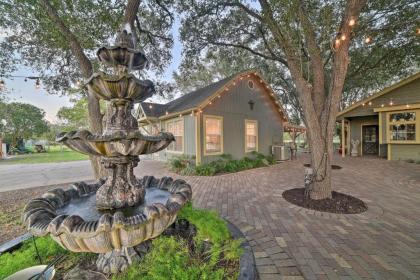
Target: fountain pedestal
x,y
121,188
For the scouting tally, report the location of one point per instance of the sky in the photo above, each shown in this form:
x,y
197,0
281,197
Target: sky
x,y
25,92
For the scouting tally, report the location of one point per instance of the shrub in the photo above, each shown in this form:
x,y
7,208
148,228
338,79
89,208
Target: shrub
x,y
177,163
410,160
205,170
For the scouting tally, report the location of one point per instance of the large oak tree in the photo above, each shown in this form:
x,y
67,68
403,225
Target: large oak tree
x,y
307,44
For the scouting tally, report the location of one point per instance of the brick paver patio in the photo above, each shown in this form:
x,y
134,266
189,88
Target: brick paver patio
x,y
293,243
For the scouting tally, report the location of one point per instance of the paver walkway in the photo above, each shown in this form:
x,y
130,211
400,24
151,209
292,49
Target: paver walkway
x,y
290,242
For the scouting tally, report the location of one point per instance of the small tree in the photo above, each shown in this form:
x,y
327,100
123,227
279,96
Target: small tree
x,y
22,121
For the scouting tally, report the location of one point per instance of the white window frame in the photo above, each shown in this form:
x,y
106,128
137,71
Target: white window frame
x,y
179,119
220,118
246,138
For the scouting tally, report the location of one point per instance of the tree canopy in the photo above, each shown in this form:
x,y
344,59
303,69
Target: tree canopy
x,y
22,121
223,37
32,39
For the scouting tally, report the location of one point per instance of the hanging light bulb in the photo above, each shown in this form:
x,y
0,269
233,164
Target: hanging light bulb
x,y
337,43
418,31
166,113
408,106
78,83
370,103
37,84
368,40
352,22
343,37
391,103
192,113
210,103
150,106
382,105
363,104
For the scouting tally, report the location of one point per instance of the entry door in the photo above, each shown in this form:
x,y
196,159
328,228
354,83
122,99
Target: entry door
x,y
370,134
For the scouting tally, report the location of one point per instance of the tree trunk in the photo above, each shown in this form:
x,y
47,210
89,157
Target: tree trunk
x,y
321,164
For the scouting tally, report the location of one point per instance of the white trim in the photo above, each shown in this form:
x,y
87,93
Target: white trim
x,y
246,142
204,135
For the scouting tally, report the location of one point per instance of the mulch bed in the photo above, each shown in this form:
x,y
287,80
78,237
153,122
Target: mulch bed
x,y
333,166
339,204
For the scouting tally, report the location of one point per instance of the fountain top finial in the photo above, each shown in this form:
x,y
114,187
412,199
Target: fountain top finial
x,y
125,37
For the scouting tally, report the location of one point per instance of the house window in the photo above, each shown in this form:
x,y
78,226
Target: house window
x,y
176,127
402,126
251,136
213,130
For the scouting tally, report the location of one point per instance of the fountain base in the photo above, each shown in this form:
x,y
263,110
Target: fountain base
x,y
121,188
119,260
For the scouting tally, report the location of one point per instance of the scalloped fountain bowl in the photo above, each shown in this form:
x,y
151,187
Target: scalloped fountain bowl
x,y
115,144
71,218
110,87
122,55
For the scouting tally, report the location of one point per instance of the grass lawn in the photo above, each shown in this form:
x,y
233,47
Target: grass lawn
x,y
55,154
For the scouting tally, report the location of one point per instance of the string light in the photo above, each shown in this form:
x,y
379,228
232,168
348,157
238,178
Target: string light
x,y
150,106
363,104
78,83
370,103
2,85
418,31
38,84
337,43
352,22
210,103
407,105
382,105
343,37
368,40
218,96
391,103
180,115
166,113
192,113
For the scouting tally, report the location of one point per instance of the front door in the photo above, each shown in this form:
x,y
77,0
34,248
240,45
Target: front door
x,y
370,136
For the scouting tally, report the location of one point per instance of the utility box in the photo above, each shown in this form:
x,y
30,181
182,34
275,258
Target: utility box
x,y
280,152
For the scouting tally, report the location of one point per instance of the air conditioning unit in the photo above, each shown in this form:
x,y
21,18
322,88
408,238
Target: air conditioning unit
x,y
280,152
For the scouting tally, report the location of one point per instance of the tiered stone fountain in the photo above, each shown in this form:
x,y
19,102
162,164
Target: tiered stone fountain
x,y
116,216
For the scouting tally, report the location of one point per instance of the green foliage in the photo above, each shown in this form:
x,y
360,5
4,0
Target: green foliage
x,y
179,163
76,116
22,121
209,225
225,164
410,160
180,260
26,255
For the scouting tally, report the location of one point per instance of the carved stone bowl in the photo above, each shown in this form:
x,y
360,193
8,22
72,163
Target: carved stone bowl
x,y
122,56
110,87
110,231
116,143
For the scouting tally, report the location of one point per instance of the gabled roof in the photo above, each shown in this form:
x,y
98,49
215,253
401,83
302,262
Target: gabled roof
x,y
198,98
380,93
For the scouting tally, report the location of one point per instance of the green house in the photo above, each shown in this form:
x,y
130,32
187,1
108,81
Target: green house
x,y
386,124
237,115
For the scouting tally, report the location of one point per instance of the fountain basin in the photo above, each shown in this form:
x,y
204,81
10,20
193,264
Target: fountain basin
x,y
126,86
116,143
122,56
56,213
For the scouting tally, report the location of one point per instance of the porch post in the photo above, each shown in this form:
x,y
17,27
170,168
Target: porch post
x,y
198,138
343,138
